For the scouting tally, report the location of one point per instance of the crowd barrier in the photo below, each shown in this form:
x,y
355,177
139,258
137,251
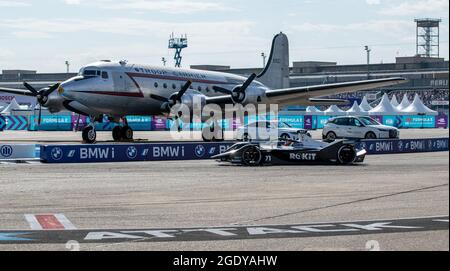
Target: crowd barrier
x,y
199,150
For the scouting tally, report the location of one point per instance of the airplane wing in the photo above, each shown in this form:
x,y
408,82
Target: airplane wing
x,y
307,95
23,92
310,95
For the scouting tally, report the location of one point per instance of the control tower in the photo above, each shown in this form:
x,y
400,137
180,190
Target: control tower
x,y
427,39
178,44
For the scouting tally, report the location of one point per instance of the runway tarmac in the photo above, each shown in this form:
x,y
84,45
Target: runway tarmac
x,y
154,205
105,137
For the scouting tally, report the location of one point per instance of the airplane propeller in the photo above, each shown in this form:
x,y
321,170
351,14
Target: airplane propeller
x,y
168,103
238,93
174,99
41,95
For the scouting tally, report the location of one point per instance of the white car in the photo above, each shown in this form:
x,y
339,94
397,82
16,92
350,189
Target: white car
x,y
267,130
357,128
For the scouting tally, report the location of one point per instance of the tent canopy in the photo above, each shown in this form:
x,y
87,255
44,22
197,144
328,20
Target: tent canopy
x,y
334,110
384,108
365,106
418,107
404,104
394,101
355,110
314,110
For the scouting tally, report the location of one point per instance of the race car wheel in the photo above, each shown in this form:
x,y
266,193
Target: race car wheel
x,y
117,133
251,156
89,135
371,135
346,154
331,137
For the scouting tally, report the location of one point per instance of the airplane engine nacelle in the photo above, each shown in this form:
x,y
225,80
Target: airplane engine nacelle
x,y
54,104
251,96
194,101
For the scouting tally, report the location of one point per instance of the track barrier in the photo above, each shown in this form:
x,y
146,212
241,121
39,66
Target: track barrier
x,y
18,151
200,151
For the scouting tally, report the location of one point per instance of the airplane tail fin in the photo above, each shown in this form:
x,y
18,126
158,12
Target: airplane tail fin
x,y
276,73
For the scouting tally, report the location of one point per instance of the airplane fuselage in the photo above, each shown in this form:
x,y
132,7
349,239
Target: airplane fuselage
x,y
119,89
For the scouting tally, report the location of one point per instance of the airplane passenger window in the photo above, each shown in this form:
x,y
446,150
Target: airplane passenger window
x,y
165,85
200,88
156,85
104,75
174,86
207,89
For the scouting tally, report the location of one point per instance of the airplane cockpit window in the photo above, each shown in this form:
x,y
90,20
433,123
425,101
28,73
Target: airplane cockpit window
x,y
91,73
105,75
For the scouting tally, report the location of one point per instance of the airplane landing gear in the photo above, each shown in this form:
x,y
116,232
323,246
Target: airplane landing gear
x,y
124,133
127,133
117,133
89,135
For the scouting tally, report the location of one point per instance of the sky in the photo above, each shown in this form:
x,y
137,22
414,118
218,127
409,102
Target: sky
x,y
42,34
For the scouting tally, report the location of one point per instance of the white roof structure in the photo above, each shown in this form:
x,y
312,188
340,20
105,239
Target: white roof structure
x,y
404,104
365,106
394,101
355,110
384,108
334,111
314,110
418,107
13,105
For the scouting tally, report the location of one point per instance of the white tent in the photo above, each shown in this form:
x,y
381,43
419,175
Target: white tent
x,y
384,108
365,106
355,110
404,104
314,110
334,111
394,101
418,107
13,105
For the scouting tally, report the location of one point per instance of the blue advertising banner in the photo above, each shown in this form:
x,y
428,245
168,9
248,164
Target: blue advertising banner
x,y
199,150
2,123
51,123
297,122
404,145
130,152
17,123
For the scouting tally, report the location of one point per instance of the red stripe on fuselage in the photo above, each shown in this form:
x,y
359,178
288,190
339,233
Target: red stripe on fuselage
x,y
176,78
112,93
140,94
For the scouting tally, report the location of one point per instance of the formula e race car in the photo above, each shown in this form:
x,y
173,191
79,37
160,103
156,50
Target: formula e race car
x,y
293,152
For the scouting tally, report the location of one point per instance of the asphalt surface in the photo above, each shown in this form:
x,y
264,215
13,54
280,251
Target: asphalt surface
x,y
123,198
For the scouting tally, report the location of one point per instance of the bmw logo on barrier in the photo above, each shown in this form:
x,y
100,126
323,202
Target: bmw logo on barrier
x,y
132,152
6,151
57,153
400,145
200,151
